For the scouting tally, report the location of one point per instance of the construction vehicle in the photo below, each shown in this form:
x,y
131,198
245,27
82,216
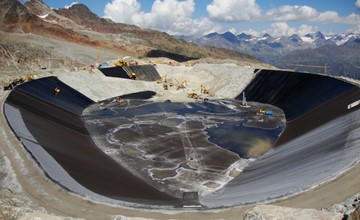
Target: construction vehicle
x,y
204,90
133,76
182,85
193,95
30,77
118,100
120,63
165,83
162,79
264,112
56,90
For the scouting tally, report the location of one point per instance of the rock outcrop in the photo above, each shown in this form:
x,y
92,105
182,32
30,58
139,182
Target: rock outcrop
x,y
14,16
350,208
269,212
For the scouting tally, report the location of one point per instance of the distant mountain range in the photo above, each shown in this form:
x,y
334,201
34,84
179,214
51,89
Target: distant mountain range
x,y
310,52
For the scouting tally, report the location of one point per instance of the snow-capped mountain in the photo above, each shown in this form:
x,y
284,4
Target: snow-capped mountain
x,y
251,43
278,50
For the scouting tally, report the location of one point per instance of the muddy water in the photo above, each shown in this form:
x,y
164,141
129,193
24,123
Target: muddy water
x,y
183,147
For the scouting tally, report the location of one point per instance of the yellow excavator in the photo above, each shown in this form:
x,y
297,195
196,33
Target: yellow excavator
x,y
120,63
193,95
182,85
133,76
204,90
162,79
30,77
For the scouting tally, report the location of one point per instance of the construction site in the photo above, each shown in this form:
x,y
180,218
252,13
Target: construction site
x,y
145,137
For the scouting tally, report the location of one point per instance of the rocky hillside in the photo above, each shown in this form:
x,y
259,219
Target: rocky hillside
x,y
154,40
78,24
15,17
44,12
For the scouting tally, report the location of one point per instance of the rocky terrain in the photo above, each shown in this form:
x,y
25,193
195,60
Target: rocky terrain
x,y
35,39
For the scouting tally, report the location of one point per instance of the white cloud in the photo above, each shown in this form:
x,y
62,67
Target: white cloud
x,y
233,10
248,32
305,13
122,10
72,3
327,17
333,17
306,29
291,13
352,19
167,15
357,4
279,29
355,29
175,16
252,32
233,31
172,16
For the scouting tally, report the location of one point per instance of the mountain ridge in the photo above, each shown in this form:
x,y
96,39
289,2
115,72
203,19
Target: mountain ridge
x,y
78,24
279,50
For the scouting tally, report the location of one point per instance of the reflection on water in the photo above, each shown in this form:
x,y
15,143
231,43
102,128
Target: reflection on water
x,y
183,147
225,121
236,137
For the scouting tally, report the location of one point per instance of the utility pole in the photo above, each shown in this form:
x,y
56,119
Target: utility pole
x,y
49,63
244,103
98,54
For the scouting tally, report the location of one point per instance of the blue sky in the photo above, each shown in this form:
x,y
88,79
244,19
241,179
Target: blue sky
x,y
197,17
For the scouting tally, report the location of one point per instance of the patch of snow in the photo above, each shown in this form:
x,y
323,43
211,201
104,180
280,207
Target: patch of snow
x,y
43,16
345,39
